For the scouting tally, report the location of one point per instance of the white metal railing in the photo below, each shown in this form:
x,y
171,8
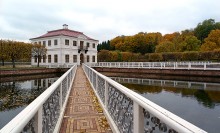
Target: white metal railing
x,y
161,65
130,112
169,83
57,65
45,113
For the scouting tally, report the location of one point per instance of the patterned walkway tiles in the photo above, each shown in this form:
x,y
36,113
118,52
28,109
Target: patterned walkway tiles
x,y
81,114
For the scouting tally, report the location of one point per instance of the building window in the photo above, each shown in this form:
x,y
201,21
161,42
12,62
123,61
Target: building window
x,y
93,45
87,44
74,43
93,58
44,43
55,42
39,82
66,42
39,42
81,44
49,58
55,58
35,59
74,58
49,42
44,83
87,58
44,58
67,58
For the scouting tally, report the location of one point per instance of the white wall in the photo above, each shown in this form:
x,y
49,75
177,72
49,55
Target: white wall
x,y
61,49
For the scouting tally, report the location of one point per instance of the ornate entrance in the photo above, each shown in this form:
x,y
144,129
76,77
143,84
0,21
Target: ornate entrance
x,y
81,59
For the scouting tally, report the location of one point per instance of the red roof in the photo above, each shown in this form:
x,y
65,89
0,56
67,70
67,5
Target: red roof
x,y
64,32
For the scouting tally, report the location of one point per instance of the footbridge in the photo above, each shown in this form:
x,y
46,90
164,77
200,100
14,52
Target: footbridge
x,y
125,110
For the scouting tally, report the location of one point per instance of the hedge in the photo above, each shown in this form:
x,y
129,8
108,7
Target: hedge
x,y
117,56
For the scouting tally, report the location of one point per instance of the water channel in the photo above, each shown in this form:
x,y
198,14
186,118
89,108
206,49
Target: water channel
x,y
196,102
17,92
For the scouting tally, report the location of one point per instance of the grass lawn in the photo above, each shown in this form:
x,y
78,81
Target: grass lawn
x,y
18,67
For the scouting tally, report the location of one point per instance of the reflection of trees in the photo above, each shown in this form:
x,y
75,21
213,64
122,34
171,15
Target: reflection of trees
x,y
203,97
207,98
9,95
12,96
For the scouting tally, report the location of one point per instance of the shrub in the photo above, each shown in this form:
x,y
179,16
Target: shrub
x,y
155,57
190,56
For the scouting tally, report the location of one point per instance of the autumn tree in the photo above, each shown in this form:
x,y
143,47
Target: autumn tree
x,y
17,51
208,46
191,43
187,32
203,29
165,46
38,51
3,53
212,42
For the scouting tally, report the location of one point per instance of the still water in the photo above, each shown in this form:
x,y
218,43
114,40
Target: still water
x,y
17,92
196,102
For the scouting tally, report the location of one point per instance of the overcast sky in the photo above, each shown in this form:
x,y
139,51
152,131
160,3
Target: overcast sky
x,y
102,19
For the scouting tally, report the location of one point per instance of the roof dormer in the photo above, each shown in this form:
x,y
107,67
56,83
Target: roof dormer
x,y
65,26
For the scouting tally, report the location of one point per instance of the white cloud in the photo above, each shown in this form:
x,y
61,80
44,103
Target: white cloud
x,y
102,19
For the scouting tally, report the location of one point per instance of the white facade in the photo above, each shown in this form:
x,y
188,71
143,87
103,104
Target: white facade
x,y
66,47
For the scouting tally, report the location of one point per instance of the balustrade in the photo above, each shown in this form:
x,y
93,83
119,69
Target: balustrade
x,y
160,65
129,112
45,113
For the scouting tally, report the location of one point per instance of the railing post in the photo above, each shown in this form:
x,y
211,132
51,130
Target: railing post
x,y
189,65
96,82
106,94
38,121
205,66
92,79
67,79
61,95
138,116
88,73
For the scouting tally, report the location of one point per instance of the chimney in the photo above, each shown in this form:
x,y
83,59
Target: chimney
x,y
65,26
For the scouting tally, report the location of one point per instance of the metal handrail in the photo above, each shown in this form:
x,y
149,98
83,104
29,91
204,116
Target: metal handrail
x,y
161,65
138,110
83,48
34,111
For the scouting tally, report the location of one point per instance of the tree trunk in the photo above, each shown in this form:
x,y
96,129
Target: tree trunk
x,y
13,63
38,63
3,62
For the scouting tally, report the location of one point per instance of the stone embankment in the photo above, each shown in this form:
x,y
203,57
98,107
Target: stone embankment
x,y
179,72
17,72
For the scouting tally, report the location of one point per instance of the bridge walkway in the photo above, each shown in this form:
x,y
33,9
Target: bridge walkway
x,y
83,112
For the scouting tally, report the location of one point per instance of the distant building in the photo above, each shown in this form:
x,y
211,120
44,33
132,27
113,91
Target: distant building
x,y
66,47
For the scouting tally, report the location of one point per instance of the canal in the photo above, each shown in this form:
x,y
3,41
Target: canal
x,y
196,102
17,92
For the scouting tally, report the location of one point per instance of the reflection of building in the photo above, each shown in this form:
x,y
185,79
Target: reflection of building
x,y
66,47
42,83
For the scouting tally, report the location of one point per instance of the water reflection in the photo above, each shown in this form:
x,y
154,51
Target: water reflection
x,y
207,94
15,95
196,102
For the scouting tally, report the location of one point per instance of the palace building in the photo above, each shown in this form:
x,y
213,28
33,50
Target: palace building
x,y
66,47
